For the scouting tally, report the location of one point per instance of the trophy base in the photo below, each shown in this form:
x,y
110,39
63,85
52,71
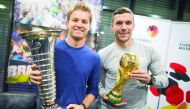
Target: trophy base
x,y
53,106
114,98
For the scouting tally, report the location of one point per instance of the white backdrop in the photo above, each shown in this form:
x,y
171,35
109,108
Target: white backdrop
x,y
159,41
178,53
172,41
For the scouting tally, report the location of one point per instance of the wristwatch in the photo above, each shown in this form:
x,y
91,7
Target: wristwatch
x,y
84,106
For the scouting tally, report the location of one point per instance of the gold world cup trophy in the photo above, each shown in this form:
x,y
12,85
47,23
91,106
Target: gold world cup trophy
x,y
41,45
128,63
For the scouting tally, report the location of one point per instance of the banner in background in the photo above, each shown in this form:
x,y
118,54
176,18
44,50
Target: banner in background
x,y
52,13
154,32
177,94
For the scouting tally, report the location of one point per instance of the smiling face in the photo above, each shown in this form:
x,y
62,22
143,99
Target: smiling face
x,y
122,26
78,24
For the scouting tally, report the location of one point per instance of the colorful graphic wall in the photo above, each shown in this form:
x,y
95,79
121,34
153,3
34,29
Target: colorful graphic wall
x,y
177,94
171,39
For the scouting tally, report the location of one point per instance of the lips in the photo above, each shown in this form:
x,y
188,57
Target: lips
x,y
123,32
77,31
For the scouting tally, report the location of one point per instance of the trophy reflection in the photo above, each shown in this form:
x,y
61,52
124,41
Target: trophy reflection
x,y
128,63
41,45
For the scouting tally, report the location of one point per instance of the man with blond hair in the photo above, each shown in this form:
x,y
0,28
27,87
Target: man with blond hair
x,y
77,66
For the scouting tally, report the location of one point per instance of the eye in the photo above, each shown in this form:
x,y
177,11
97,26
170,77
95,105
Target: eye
x,y
74,20
118,23
85,22
128,22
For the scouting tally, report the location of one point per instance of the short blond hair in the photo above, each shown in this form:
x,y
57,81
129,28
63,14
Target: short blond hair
x,y
121,11
80,6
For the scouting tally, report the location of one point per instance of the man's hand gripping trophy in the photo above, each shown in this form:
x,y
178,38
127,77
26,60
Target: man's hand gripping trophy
x,y
128,63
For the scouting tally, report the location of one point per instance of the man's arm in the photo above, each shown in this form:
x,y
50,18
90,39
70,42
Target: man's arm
x,y
158,73
88,100
92,89
101,84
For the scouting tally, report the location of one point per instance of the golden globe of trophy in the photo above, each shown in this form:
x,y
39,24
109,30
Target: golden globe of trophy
x,y
41,45
128,63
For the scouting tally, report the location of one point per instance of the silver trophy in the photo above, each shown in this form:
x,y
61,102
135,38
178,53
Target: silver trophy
x,y
41,45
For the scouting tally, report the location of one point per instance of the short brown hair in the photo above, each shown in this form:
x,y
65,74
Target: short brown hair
x,y
80,6
121,11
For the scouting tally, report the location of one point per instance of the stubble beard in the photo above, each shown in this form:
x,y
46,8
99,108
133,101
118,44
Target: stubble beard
x,y
122,40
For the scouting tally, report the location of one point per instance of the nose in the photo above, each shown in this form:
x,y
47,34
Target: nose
x,y
79,24
123,27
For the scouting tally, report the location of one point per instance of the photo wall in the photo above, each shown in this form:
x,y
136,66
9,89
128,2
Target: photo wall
x,y
37,15
172,42
177,94
154,32
170,39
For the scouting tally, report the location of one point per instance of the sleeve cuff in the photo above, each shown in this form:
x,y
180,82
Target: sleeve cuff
x,y
152,80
